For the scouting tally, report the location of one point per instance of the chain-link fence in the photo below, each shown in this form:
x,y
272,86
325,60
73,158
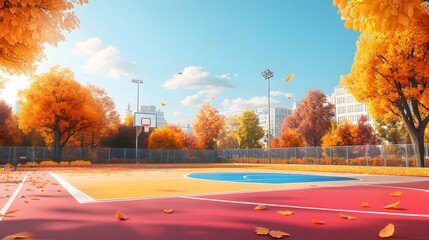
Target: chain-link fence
x,y
368,155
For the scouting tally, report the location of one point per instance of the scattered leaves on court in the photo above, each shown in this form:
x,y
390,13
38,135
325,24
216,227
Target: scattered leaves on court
x,y
317,221
9,212
272,233
364,204
285,213
387,231
396,194
345,216
168,210
260,207
392,206
21,235
120,216
35,198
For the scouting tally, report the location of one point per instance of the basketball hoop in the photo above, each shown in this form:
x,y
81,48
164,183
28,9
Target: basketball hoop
x,y
146,127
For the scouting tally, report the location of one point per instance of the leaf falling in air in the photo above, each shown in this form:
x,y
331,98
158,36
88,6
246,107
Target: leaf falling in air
x,y
278,234
120,216
168,210
163,104
316,221
285,213
289,77
396,194
21,235
180,73
9,212
392,206
260,207
365,204
262,230
346,216
387,231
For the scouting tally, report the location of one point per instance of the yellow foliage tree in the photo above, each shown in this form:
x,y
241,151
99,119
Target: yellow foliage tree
x,y
375,16
390,74
57,106
208,126
26,25
167,137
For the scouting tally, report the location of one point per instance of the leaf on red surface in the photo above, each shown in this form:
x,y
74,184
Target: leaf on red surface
x,y
392,206
168,210
396,194
21,235
58,190
26,201
120,216
260,207
22,196
262,230
365,204
35,198
387,231
9,212
316,221
278,234
285,213
346,216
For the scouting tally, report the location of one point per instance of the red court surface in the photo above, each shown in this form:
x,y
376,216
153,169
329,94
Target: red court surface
x,y
50,212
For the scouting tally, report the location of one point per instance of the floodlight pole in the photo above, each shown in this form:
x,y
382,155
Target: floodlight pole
x,y
137,110
267,74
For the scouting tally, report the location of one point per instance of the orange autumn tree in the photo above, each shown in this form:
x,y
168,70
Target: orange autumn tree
x,y
288,138
344,135
56,105
27,25
375,16
167,137
390,74
208,126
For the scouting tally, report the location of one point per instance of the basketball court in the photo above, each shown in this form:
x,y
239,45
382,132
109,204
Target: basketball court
x,y
215,203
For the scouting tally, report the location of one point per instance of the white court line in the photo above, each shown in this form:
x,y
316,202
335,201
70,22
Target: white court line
x,y
80,196
307,208
12,198
407,188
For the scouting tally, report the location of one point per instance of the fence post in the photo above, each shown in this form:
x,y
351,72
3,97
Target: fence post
x,y
366,154
347,155
406,155
195,156
108,155
330,155
306,154
15,163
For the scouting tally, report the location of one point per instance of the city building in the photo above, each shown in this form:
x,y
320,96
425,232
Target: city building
x,y
277,115
346,107
160,120
186,128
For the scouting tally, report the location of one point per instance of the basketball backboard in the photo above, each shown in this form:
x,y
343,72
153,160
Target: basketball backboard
x,y
141,118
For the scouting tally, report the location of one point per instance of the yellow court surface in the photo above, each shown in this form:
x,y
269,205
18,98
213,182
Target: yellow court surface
x,y
146,183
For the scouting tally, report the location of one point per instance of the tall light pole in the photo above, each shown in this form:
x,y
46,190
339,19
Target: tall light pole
x,y
137,110
267,74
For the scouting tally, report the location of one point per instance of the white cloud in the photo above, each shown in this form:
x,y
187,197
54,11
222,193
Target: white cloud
x,y
238,105
202,97
103,59
11,88
193,77
177,113
280,93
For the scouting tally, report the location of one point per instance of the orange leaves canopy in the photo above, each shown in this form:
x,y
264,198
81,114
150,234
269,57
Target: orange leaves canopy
x,y
208,126
288,138
379,15
27,25
167,137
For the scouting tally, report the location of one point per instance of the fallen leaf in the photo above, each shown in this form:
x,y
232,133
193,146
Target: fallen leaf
x,y
119,216
260,207
9,212
22,196
346,216
35,198
58,190
278,234
21,235
365,204
262,230
168,210
26,201
392,206
396,194
315,221
285,213
387,231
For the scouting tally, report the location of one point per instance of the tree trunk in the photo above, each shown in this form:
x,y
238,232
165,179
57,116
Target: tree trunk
x,y
417,138
57,146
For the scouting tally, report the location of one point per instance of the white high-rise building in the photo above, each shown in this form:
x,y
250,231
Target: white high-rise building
x,y
346,107
277,115
160,120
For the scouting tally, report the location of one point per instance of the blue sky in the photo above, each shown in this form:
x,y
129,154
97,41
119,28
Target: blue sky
x,y
220,46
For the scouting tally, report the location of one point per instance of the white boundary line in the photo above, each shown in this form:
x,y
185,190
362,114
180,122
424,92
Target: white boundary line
x,y
307,208
12,198
80,196
407,188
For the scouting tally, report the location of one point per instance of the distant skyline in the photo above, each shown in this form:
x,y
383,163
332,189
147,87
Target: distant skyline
x,y
219,48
